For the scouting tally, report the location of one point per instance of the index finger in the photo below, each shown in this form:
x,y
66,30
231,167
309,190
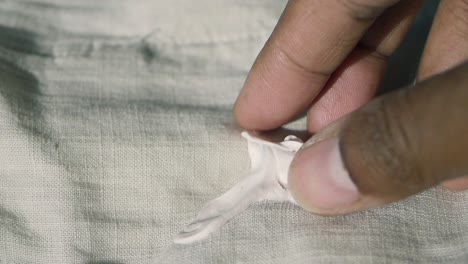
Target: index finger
x,y
311,40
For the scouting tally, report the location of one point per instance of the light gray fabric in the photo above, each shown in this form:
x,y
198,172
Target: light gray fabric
x,y
116,127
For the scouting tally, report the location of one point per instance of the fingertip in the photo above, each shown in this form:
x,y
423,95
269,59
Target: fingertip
x,y
250,116
319,182
243,114
238,113
317,120
459,184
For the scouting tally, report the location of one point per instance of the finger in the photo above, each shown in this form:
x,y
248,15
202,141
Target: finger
x,y
459,184
311,40
446,47
396,146
447,43
356,80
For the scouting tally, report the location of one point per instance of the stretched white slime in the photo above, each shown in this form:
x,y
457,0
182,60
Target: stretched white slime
x,y
267,180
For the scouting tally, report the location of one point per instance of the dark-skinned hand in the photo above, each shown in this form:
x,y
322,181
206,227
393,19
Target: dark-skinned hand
x,y
327,57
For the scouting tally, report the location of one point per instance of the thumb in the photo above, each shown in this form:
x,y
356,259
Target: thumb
x,y
396,146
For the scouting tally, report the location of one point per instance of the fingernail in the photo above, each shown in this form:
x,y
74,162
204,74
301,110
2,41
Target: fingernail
x,y
319,180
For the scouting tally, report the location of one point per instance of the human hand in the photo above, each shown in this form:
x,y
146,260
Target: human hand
x,y
398,145
328,57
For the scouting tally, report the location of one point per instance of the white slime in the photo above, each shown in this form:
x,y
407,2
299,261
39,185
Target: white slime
x,y
267,180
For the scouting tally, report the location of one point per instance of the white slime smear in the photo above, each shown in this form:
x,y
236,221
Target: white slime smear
x,y
267,180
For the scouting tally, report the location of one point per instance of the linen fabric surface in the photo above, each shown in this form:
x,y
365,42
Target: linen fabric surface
x,y
116,128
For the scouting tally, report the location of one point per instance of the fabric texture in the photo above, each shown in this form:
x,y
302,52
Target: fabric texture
x,y
116,128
